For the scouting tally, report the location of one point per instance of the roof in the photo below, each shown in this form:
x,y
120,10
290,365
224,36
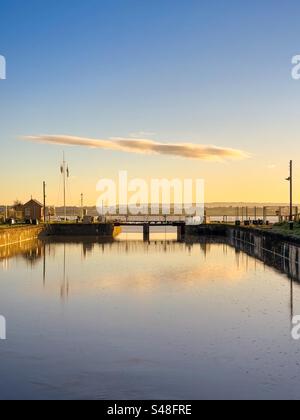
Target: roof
x,y
32,201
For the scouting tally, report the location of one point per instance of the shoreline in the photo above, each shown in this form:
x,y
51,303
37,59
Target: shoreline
x,y
17,234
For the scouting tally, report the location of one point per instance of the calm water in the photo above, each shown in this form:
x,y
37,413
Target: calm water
x,y
129,320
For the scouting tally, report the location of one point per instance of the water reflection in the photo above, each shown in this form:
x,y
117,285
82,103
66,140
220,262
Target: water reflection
x,y
127,319
64,290
31,251
282,257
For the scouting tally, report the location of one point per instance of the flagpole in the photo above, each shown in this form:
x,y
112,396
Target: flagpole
x,y
291,191
64,169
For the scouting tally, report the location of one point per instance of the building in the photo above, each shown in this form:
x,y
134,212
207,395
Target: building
x,y
2,214
33,210
17,212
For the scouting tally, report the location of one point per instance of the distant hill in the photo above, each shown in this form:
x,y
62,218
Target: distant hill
x,y
245,204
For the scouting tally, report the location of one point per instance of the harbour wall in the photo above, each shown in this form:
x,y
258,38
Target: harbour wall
x,y
247,234
274,249
15,235
78,229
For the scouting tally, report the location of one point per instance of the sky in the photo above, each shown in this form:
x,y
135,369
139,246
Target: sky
x,y
207,78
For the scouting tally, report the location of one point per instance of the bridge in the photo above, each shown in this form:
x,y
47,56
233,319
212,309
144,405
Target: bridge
x,y
181,226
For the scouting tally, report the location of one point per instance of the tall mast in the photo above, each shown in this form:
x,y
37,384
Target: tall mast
x,y
291,190
64,169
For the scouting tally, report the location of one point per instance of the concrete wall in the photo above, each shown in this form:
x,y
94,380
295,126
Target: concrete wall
x,y
203,230
273,249
15,235
246,234
269,237
78,229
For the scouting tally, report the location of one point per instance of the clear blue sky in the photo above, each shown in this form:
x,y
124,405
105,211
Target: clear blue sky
x,y
206,72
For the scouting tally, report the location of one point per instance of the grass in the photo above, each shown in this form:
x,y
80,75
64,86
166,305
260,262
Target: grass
x,y
4,226
284,228
281,228
8,226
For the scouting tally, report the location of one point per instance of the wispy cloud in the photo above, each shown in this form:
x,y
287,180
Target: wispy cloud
x,y
145,146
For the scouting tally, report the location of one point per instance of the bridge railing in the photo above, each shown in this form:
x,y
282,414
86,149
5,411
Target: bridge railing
x,y
155,219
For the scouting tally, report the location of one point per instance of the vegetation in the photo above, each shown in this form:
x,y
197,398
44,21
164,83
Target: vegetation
x,y
284,228
17,204
6,226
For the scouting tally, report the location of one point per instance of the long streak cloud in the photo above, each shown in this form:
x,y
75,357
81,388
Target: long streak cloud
x,y
145,146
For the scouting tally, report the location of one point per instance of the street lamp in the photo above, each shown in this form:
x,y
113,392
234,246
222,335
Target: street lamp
x,y
290,180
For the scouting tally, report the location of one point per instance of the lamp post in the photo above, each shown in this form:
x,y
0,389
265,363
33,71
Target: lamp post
x,y
44,203
290,179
